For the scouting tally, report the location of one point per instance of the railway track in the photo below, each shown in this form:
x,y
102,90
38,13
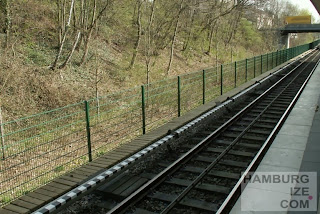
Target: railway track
x,y
202,173
201,179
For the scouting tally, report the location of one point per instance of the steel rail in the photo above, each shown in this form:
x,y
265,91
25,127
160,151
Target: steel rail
x,y
144,189
233,194
222,154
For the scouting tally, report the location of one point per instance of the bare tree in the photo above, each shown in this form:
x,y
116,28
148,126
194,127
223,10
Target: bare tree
x,y
5,9
66,29
2,134
139,28
189,24
61,10
97,79
72,50
149,47
175,35
83,25
8,23
211,34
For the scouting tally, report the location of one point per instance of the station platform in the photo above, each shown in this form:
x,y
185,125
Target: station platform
x,y
296,148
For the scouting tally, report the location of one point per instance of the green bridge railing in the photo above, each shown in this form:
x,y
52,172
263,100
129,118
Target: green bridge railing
x,y
40,147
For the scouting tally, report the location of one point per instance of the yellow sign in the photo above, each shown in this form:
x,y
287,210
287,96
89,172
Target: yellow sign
x,y
298,20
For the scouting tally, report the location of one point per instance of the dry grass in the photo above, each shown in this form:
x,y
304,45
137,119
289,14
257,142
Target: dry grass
x,y
41,147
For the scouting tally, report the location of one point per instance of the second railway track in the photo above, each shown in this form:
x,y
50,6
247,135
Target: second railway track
x,y
200,173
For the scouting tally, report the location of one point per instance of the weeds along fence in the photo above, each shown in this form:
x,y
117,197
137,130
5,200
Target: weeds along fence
x,y
40,147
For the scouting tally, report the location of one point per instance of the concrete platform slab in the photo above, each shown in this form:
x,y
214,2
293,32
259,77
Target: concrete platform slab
x,y
295,130
299,120
269,168
284,141
283,157
247,203
302,112
296,147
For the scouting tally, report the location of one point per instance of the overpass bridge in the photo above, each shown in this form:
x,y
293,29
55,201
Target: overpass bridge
x,y
300,28
297,28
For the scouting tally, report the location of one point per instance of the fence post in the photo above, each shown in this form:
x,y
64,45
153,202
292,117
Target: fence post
x,y
246,70
254,66
221,79
203,87
2,135
277,58
179,96
267,61
235,74
87,109
293,52
285,55
280,61
143,107
261,63
288,54
272,60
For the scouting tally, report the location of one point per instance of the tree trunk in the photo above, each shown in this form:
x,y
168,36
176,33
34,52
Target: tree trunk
x,y
54,65
136,45
174,38
81,23
217,49
172,47
8,23
72,51
186,43
2,134
233,28
89,30
86,40
97,92
211,38
59,21
74,18
148,43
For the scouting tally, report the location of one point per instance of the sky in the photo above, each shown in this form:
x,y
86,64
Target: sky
x,y
307,5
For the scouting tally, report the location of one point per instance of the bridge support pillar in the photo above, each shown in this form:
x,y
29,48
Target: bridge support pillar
x,y
288,40
285,40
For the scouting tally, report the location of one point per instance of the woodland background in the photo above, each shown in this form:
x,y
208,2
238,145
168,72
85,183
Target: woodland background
x,y
57,52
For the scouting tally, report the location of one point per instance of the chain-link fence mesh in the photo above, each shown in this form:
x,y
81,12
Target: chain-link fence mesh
x,y
38,148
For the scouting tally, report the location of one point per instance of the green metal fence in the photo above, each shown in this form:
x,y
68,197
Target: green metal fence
x,y
40,147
